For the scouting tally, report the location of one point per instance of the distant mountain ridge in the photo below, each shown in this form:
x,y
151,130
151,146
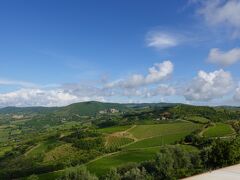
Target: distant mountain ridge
x,y
92,108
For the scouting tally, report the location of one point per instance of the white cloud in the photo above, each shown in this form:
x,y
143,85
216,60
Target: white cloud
x,y
224,58
7,82
162,40
237,94
155,74
208,86
223,13
162,90
39,97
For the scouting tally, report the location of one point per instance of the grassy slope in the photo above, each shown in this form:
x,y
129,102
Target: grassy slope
x,y
151,137
102,165
148,131
158,141
41,148
219,130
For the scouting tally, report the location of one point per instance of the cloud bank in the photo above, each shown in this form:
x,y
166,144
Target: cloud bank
x,y
222,13
230,57
209,86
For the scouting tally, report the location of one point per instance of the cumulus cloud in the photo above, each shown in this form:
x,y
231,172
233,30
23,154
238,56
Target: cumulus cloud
x,y
222,13
40,97
208,86
224,58
155,74
60,95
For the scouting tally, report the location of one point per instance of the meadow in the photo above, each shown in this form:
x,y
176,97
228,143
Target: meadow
x,y
219,130
148,131
158,140
101,166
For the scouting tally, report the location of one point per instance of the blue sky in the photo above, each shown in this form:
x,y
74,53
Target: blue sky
x,y
56,52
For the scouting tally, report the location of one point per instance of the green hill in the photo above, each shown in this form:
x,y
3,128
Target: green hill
x,y
89,108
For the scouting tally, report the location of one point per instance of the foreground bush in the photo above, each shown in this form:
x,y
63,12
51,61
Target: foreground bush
x,y
77,173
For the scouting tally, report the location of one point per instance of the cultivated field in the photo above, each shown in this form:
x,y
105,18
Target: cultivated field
x,y
148,131
116,142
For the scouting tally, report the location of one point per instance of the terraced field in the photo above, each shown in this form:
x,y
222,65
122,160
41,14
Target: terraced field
x,y
219,130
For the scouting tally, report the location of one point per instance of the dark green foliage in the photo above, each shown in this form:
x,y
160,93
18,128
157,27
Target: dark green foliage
x,y
236,125
86,139
130,172
221,153
136,174
174,162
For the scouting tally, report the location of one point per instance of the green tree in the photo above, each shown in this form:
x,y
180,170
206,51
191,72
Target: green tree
x,y
33,177
164,166
112,175
77,173
136,174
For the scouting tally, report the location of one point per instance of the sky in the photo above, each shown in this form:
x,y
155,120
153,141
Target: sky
x,y
58,52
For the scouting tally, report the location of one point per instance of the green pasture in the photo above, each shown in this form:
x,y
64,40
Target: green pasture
x,y
219,130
